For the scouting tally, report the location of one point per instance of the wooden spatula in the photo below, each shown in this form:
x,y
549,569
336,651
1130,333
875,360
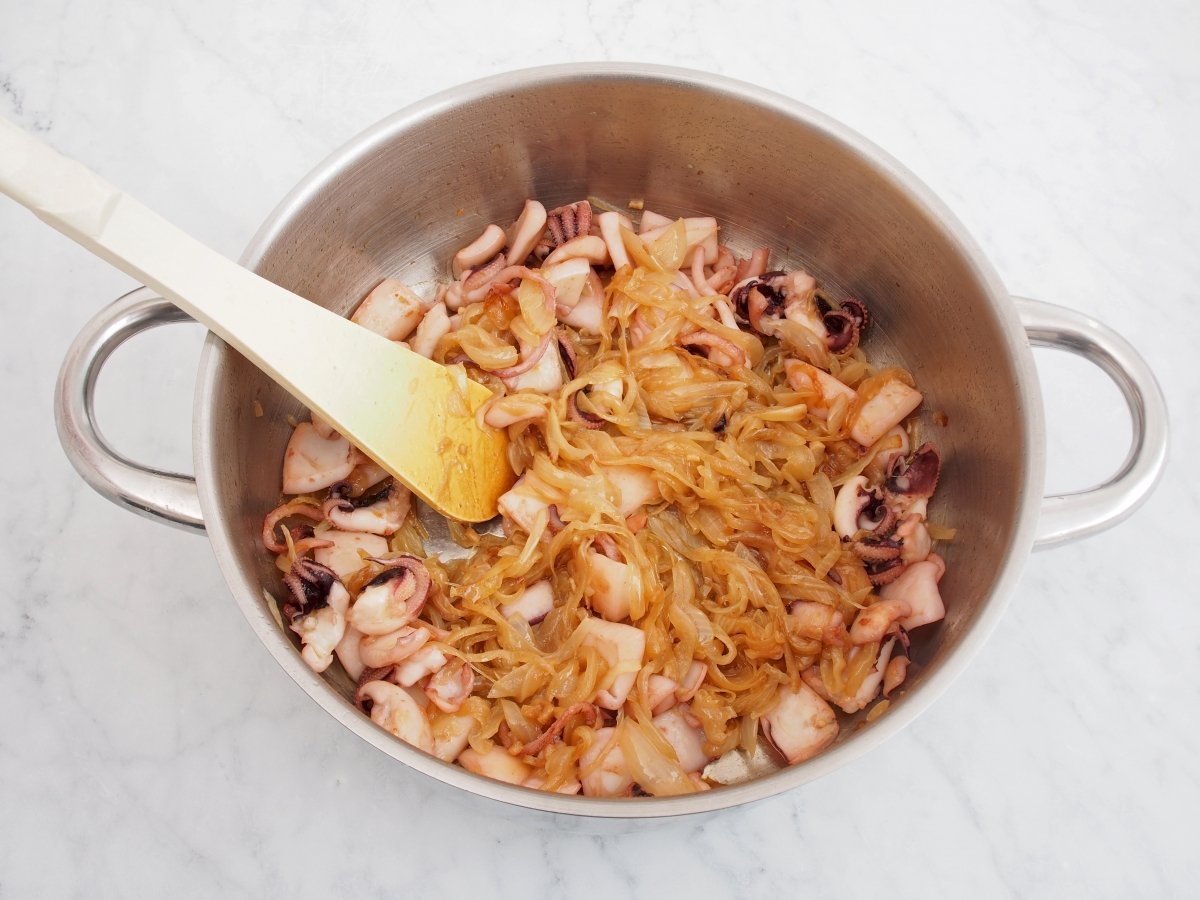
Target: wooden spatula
x,y
407,413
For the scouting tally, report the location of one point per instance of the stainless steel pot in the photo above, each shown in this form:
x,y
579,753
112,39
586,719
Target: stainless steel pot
x,y
402,196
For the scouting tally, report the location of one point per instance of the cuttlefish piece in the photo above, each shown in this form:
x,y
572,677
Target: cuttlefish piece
x,y
800,725
391,310
312,463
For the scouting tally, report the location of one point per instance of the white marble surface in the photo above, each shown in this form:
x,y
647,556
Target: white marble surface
x,y
150,747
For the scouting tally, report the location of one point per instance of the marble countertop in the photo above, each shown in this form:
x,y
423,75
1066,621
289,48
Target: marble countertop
x,y
150,747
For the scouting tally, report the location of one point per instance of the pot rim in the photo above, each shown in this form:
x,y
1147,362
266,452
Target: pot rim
x,y
249,593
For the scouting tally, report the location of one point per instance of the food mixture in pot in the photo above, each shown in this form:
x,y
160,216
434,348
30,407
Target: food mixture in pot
x,y
718,539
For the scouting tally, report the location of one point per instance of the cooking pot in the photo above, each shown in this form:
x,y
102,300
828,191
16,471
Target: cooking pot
x,y
401,197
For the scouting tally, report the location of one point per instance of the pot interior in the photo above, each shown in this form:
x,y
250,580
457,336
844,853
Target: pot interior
x,y
403,197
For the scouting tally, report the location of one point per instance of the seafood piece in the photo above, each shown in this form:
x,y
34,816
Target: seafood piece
x,y
716,349
451,733
533,605
311,462
316,610
525,501
393,598
610,230
917,586
587,247
602,768
381,513
347,652
611,586
684,735
660,693
391,310
852,499
800,725
497,763
635,487
379,651
621,647
426,661
876,620
394,709
564,224
450,686
808,379
349,551
882,412
525,232
480,250
435,326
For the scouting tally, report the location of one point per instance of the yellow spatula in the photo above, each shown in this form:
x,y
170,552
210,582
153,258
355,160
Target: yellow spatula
x,y
404,411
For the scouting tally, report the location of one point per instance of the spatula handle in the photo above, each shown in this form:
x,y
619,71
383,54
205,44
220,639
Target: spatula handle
x,y
408,413
261,320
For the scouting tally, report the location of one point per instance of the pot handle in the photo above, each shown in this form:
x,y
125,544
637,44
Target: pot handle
x,y
149,492
1068,517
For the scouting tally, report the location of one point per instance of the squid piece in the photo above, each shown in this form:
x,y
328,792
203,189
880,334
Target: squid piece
x,y
449,687
393,598
569,279
621,647
807,379
435,326
588,247
611,586
394,709
497,763
545,376
876,620
391,310
685,736
814,621
610,230
884,411
852,498
602,768
451,733
382,513
479,251
346,554
305,508
894,674
526,232
915,542
425,661
716,349
800,725
379,651
533,605
312,463
918,587
869,688
635,486
317,610
525,501
660,693
800,290
506,410
652,221
347,652
897,447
